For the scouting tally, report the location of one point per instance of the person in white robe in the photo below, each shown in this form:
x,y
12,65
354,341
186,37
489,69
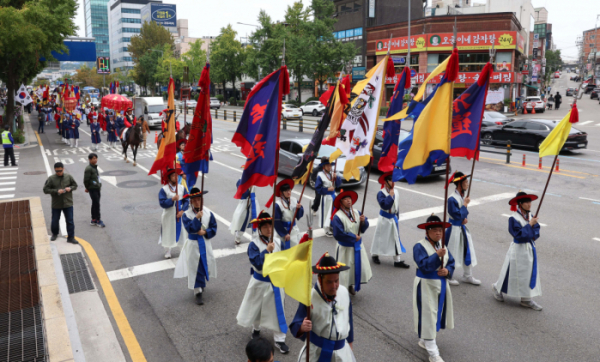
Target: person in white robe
x,y
246,210
263,303
197,260
285,211
432,299
387,241
325,185
170,198
330,326
519,276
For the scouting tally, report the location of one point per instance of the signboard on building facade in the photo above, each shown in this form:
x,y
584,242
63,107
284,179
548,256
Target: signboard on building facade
x,y
495,96
358,73
463,77
103,65
162,14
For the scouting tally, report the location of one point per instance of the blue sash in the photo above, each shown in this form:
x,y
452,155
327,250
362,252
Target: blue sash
x,y
332,194
278,302
533,279
285,245
394,217
202,247
327,346
464,231
357,261
442,298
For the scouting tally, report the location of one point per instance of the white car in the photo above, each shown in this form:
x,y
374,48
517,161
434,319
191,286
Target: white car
x,y
215,103
314,108
537,102
191,103
289,111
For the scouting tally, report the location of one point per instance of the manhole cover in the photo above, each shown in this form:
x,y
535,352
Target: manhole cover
x,y
29,173
143,208
136,184
118,173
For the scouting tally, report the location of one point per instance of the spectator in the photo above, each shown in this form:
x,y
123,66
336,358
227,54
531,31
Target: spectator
x,y
8,143
61,186
259,350
42,120
557,100
92,183
145,129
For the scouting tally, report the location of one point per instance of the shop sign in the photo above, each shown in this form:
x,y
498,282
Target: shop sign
x,y
463,78
443,41
358,73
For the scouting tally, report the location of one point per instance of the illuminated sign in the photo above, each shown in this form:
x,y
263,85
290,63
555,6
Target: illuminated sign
x,y
103,65
162,14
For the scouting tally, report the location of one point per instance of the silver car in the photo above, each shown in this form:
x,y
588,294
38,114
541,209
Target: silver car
x,y
290,153
215,103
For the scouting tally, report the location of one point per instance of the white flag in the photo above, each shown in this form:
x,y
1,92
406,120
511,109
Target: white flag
x,y
23,96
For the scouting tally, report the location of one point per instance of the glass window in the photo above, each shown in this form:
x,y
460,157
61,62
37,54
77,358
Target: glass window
x,y
534,126
130,11
341,34
296,148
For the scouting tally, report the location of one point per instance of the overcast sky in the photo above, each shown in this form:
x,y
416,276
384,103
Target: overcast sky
x,y
568,18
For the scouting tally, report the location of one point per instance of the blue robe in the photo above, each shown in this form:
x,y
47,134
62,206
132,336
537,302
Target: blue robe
x,y
323,190
66,126
111,128
193,227
75,128
95,129
166,202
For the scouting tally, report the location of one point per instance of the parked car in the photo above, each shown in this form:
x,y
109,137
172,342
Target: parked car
x,y
290,152
588,88
594,93
191,104
570,92
438,170
496,117
530,133
557,75
314,108
290,111
215,103
537,102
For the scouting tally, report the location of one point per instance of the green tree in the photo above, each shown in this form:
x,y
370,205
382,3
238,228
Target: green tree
x,y
168,66
553,63
144,70
264,55
29,31
195,59
298,41
151,36
227,58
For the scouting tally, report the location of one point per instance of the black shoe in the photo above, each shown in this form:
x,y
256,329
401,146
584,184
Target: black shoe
x,y
199,300
54,236
72,241
255,334
401,264
376,259
351,290
283,348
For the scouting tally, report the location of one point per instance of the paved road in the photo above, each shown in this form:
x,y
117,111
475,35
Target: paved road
x,y
170,327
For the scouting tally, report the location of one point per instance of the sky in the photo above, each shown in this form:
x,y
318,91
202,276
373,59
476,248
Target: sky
x,y
568,18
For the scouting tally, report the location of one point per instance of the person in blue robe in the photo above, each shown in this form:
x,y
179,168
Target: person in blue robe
x,y
283,218
95,133
325,185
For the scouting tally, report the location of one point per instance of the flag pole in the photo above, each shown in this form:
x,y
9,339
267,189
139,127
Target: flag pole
x,y
277,147
301,194
546,187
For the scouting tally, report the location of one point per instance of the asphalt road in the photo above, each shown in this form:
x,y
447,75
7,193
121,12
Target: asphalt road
x,y
170,327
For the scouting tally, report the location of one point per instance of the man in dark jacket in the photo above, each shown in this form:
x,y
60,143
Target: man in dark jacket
x,y
61,186
92,183
557,100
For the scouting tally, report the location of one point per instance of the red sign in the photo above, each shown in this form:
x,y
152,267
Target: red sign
x,y
463,77
443,41
525,72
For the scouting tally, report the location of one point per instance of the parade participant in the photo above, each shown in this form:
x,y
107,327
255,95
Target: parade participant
x,y
171,200
104,119
324,186
120,121
112,129
145,129
259,350
179,156
458,237
66,127
519,276
263,304
246,210
95,130
58,118
285,207
330,325
432,299
197,261
387,234
75,131
129,118
346,223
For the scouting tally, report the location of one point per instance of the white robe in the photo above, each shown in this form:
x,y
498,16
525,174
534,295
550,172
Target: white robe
x,y
326,202
242,211
189,258
387,238
168,235
345,255
287,216
456,243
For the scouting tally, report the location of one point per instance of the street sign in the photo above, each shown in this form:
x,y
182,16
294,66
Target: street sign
x,y
536,36
413,73
524,72
103,65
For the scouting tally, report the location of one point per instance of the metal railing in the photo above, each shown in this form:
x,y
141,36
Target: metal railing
x,y
505,150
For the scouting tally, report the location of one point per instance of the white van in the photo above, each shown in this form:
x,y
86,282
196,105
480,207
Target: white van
x,y
149,107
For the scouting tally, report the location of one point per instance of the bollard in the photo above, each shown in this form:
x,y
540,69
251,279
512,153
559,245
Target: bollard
x,y
557,163
300,125
524,108
523,160
155,137
234,116
284,123
225,114
215,114
508,153
540,165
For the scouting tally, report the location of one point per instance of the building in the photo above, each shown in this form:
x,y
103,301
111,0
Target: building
x,y
183,40
162,14
590,45
96,25
541,41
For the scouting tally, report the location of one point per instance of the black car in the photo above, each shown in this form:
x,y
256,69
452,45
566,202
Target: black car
x,y
594,94
530,133
588,88
438,170
570,91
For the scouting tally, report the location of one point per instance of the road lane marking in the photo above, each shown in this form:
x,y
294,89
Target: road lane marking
x,y
8,178
584,123
7,183
561,173
7,189
7,196
10,168
131,342
409,190
585,198
597,239
161,265
506,215
8,173
535,168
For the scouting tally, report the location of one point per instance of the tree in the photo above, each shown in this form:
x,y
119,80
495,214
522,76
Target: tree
x,y
264,55
144,70
168,66
298,41
227,58
553,63
151,36
30,30
194,59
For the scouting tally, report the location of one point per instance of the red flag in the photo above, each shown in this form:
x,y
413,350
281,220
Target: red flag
x,y
168,150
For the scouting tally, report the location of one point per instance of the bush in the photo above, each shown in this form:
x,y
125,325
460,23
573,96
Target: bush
x,y
507,102
232,101
220,97
18,136
241,103
165,95
383,111
293,102
195,96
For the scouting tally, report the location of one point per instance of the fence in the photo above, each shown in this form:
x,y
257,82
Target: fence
x,y
505,150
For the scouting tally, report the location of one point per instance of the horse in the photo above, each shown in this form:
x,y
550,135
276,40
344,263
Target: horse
x,y
133,137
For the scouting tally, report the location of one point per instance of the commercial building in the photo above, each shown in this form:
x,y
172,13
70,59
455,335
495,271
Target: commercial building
x,y
96,25
590,47
183,40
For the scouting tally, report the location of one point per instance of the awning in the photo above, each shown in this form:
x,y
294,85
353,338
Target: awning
x,y
530,86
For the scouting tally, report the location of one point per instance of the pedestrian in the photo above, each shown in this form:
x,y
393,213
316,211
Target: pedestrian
x,y
347,224
93,185
330,325
246,210
317,201
432,299
95,130
197,261
326,188
42,122
263,303
171,200
145,129
458,236
285,210
519,276
8,144
557,100
259,350
550,102
61,186
387,234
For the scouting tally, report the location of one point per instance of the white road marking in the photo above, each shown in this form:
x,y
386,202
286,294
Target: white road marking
x,y
9,169
8,178
7,189
506,215
409,190
2,173
85,132
584,123
7,183
585,198
233,154
62,224
597,239
7,196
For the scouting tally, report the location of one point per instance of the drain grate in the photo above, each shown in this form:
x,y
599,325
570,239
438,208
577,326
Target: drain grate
x,y
18,279
22,336
76,273
15,238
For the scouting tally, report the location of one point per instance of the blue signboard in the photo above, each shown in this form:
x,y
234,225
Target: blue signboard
x,y
358,73
413,73
162,14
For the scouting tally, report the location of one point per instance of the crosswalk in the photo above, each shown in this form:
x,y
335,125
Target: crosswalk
x,y
587,124
8,177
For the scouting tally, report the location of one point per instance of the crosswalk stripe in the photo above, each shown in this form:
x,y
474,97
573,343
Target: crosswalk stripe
x,y
6,183
7,189
3,173
7,196
584,123
8,178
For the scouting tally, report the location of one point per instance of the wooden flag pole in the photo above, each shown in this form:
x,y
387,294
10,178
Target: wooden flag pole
x,y
470,177
546,187
301,194
362,210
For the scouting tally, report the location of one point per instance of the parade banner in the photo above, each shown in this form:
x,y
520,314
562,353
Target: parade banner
x,y
168,149
463,77
341,106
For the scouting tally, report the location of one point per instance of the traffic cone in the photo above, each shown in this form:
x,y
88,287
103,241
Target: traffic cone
x,y
557,163
155,137
533,109
524,108
524,164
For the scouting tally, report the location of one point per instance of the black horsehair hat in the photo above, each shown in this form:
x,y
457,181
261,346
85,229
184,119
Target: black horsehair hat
x,y
521,197
263,218
328,265
195,192
433,221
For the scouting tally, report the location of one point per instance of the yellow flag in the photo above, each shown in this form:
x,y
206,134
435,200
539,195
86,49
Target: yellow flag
x,y
555,141
292,269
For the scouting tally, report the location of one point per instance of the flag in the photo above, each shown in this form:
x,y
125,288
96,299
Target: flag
x,y
467,114
341,106
429,141
168,149
23,96
197,149
258,131
555,141
77,92
356,134
391,129
312,150
292,270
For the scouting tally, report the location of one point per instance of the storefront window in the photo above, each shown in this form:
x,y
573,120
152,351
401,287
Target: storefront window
x,y
414,64
467,62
